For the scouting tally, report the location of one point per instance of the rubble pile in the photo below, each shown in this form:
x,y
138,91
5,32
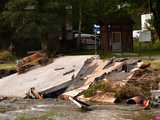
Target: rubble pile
x,y
113,80
87,78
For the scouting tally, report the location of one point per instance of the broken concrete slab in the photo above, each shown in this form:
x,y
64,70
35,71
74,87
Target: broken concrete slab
x,y
106,70
43,78
99,71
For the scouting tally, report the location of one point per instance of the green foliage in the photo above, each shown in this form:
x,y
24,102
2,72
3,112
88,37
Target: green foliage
x,y
31,21
99,86
143,116
6,55
9,66
44,116
129,91
104,55
152,48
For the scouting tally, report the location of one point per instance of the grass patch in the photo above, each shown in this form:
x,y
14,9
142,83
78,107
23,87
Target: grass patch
x,y
99,86
154,63
147,48
141,115
44,116
8,66
4,109
6,55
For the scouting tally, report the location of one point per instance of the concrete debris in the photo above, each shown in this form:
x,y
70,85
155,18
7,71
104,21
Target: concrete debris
x,y
102,80
98,73
118,71
44,78
3,98
33,94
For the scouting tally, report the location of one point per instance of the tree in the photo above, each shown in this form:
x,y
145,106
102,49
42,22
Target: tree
x,y
33,19
138,7
155,9
88,12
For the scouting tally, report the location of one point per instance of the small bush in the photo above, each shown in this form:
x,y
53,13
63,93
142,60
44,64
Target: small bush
x,y
129,91
6,55
44,116
151,48
98,86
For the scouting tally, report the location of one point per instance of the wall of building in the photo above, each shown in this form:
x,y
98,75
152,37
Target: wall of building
x,y
126,37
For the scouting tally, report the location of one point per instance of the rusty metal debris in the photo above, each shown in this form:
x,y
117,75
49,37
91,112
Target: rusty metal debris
x,y
136,100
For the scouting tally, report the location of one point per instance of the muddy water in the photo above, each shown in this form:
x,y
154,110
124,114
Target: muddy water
x,y
60,110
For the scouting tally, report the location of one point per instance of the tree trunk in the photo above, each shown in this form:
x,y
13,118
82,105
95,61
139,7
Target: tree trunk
x,y
44,41
79,27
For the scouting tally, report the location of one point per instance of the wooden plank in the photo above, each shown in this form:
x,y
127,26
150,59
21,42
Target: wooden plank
x,y
98,72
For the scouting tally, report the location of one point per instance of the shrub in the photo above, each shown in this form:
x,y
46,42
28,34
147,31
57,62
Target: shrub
x,y
129,91
98,86
6,55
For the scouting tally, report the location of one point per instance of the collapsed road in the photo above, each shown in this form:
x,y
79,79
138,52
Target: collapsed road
x,y
44,79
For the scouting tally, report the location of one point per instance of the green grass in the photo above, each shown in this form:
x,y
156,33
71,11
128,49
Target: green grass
x,y
8,66
43,116
154,63
6,55
145,49
141,115
99,86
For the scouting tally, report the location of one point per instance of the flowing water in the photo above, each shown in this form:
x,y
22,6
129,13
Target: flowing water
x,y
52,109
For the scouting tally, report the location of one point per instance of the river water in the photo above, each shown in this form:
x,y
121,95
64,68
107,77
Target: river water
x,y
53,109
